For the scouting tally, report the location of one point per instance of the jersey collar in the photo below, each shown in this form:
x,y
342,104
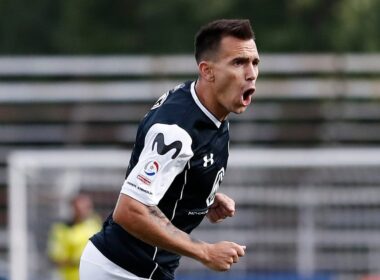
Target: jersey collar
x,y
203,108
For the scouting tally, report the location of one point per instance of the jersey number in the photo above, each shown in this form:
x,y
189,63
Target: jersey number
x,y
215,187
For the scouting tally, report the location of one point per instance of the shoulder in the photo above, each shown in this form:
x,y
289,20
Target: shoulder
x,y
59,229
177,106
173,104
165,137
174,95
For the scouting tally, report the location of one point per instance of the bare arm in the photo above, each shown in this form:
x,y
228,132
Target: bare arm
x,y
150,225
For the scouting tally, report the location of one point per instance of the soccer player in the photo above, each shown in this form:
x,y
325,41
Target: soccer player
x,y
177,164
67,239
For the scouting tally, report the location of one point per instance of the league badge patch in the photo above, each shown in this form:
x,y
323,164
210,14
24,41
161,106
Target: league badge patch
x,y
151,168
149,172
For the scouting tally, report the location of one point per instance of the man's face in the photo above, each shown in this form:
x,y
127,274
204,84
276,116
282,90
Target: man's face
x,y
235,70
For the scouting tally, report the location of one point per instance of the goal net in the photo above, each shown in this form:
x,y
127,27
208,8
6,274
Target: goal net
x,y
302,213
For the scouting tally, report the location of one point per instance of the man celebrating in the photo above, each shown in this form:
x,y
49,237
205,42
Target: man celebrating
x,y
177,164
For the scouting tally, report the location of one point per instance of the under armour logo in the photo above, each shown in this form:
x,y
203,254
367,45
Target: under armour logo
x,y
163,149
208,161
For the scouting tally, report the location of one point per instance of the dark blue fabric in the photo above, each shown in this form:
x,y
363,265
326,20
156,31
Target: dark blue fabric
x,y
179,108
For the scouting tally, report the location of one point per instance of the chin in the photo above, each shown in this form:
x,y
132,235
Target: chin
x,y
240,110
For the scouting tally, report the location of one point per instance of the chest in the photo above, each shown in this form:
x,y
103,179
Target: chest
x,y
208,165
209,158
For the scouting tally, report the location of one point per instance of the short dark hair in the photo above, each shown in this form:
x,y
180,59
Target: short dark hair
x,y
208,38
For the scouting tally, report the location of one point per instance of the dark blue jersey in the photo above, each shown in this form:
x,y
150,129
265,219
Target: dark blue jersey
x,y
178,162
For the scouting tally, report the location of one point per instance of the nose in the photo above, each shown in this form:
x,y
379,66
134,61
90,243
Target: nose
x,y
252,72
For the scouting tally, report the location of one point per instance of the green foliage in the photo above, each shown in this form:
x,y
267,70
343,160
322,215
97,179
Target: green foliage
x,y
357,28
168,26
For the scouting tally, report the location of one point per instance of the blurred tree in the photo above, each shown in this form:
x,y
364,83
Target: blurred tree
x,y
87,26
357,28
131,26
168,26
26,26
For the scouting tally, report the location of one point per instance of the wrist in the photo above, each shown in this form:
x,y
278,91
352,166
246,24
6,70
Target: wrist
x,y
201,252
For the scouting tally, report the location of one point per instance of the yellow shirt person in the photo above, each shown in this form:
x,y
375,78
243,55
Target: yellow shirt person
x,y
67,240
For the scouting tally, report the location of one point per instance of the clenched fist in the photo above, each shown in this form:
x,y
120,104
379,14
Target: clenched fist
x,y
220,256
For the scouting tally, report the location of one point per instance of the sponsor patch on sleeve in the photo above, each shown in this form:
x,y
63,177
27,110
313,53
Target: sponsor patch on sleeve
x,y
167,149
149,172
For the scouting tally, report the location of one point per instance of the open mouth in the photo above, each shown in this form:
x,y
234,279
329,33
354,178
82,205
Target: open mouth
x,y
247,96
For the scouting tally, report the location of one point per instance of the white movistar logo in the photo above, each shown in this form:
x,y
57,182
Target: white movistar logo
x,y
208,161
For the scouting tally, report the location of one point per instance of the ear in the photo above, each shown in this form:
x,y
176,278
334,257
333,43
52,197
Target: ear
x,y
206,71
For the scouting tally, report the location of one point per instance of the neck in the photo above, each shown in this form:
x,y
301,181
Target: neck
x,y
207,96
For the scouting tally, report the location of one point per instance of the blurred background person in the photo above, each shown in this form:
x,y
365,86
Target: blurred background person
x,y
67,239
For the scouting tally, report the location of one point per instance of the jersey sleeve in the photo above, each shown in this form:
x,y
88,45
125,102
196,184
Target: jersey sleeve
x,y
167,149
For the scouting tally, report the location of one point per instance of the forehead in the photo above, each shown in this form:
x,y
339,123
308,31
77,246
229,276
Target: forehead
x,y
231,47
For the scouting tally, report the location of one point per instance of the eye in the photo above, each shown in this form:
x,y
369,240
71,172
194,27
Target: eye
x,y
238,61
256,62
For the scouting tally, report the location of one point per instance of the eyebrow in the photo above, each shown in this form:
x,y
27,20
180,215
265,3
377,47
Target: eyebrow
x,y
245,59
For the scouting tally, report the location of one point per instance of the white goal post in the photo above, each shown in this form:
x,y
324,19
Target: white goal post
x,y
307,181
24,163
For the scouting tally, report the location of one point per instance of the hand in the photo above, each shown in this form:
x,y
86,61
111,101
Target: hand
x,y
222,208
220,256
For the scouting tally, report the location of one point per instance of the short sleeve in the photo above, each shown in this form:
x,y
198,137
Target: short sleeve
x,y
167,149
